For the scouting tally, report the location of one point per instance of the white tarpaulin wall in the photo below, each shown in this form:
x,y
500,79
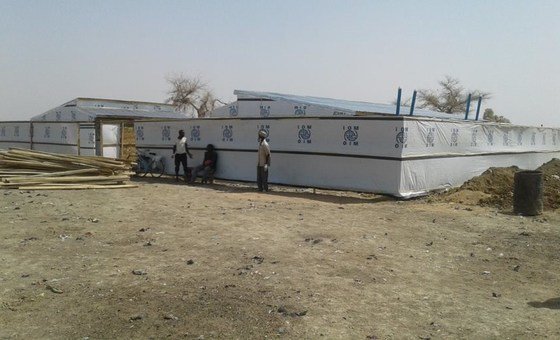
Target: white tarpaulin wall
x,y
87,139
269,104
56,137
263,108
401,156
60,137
441,154
321,152
15,135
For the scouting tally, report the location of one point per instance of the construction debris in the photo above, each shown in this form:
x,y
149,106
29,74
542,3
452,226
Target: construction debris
x,y
37,170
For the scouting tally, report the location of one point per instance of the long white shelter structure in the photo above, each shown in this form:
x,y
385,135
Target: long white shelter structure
x,y
82,126
403,156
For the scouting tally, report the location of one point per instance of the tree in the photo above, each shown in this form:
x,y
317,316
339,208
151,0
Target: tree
x,y
191,95
451,97
492,117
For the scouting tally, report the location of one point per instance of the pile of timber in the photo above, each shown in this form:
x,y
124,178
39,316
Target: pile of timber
x,y
36,170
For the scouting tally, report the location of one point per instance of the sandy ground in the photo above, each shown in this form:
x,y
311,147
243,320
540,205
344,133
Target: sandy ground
x,y
223,261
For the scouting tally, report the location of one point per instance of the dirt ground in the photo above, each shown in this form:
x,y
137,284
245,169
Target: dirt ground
x,y
494,188
223,261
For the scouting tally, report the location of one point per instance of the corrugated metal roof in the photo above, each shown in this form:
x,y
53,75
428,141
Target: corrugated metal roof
x,y
347,105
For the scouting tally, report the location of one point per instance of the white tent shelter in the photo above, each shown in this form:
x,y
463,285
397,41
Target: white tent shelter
x,y
85,126
352,145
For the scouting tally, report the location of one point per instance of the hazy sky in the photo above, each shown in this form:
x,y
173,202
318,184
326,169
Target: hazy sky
x,y
54,51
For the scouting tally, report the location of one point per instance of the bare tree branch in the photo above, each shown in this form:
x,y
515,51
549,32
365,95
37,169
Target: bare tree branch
x,y
191,95
451,97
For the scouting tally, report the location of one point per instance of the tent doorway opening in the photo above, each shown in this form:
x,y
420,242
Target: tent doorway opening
x,y
115,138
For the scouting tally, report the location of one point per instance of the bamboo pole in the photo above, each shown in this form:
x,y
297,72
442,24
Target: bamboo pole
x,y
82,159
69,179
66,173
22,168
80,187
72,159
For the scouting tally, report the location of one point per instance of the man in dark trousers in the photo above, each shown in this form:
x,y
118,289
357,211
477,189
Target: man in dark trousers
x,y
180,152
208,165
263,162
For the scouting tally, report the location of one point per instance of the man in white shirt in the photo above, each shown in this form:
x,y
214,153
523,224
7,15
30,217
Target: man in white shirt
x,y
180,152
263,162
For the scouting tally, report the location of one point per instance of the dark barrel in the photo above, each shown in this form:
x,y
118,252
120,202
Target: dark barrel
x,y
528,193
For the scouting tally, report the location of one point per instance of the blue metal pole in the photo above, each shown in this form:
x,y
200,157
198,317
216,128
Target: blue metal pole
x,y
413,102
399,101
468,107
478,107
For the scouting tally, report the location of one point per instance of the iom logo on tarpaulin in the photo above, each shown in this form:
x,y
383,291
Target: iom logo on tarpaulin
x,y
350,135
304,134
264,111
166,133
195,133
16,131
73,115
533,138
474,137
299,110
91,137
265,128
520,138
454,137
490,137
233,111
401,137
64,133
227,133
430,137
139,133
506,141
47,132
58,116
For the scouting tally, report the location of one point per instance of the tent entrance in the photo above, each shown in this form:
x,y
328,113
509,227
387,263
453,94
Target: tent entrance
x,y
116,138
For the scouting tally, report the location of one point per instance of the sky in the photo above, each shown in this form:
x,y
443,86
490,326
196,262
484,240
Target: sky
x,y
54,51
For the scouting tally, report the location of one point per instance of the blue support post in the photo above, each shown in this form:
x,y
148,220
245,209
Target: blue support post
x,y
478,107
468,106
399,93
413,103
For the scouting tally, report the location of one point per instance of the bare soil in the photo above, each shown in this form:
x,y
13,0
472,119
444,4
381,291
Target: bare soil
x,y
223,261
494,188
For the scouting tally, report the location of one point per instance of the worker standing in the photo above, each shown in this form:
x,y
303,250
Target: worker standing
x,y
263,163
180,152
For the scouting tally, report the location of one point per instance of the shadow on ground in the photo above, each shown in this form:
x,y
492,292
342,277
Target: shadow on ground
x,y
323,195
550,303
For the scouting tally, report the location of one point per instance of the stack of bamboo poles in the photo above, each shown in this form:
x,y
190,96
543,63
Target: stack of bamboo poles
x,y
36,170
